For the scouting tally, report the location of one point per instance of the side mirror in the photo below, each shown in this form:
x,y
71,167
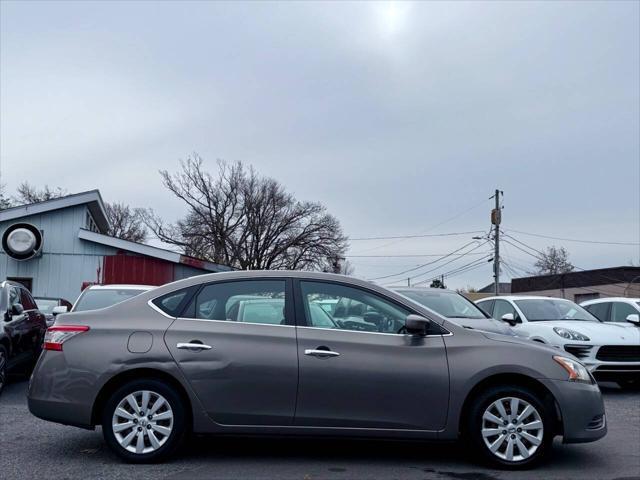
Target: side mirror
x,y
416,324
634,318
509,318
59,309
17,309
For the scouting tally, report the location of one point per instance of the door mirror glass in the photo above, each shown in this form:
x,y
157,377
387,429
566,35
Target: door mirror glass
x,y
634,318
59,309
17,309
416,324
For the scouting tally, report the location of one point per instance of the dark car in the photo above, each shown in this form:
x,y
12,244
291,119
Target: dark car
x,y
23,328
456,308
51,307
255,352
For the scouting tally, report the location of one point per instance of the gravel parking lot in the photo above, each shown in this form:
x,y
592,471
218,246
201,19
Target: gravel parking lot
x,y
33,448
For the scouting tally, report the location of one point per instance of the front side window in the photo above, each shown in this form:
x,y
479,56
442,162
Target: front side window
x,y
600,310
620,311
27,300
447,304
251,301
501,308
541,309
355,309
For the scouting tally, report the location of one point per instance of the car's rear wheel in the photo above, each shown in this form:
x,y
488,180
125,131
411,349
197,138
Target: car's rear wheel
x,y
510,427
144,421
4,357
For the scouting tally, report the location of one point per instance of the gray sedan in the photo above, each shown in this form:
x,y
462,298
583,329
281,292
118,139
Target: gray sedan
x,y
259,353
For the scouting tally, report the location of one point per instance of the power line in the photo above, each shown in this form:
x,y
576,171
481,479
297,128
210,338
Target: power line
x,y
424,264
601,242
411,256
417,236
456,271
450,219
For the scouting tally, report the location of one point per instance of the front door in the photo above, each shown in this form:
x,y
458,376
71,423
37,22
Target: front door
x,y
359,370
237,347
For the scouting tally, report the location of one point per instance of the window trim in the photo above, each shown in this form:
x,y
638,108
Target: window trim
x,y
301,312
196,289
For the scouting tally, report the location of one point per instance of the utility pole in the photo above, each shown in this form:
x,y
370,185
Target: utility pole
x,y
408,281
496,219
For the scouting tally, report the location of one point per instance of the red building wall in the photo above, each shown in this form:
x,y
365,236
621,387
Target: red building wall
x,y
136,270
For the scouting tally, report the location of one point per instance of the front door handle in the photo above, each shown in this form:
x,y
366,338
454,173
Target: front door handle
x,y
193,346
321,353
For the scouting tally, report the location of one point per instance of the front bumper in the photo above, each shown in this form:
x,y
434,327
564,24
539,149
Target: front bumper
x,y
581,409
603,370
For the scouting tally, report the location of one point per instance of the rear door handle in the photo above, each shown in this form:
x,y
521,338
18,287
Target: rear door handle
x,y
193,346
321,353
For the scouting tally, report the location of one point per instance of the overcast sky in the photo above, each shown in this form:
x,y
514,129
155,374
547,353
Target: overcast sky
x,y
398,117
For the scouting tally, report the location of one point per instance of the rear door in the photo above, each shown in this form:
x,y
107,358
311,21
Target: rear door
x,y
357,368
236,344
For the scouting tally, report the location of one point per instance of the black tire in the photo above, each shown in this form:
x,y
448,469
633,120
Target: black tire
x,y
179,422
4,358
473,428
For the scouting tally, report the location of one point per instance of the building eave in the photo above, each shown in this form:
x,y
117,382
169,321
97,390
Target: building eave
x,y
91,198
150,251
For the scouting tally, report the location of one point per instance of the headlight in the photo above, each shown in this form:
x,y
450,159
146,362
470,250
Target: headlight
x,y
577,372
570,334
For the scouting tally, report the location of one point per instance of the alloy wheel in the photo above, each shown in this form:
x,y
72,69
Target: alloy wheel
x,y
142,422
512,429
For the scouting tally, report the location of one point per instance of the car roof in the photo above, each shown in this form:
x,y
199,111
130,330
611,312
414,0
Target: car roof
x,y
421,289
120,287
522,297
610,299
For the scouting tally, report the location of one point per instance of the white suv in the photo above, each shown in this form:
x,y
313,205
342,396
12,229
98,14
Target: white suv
x,y
620,310
611,352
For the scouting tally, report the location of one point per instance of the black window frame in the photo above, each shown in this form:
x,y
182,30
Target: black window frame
x,y
289,312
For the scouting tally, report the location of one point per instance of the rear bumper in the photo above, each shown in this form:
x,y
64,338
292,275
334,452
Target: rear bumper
x,y
54,390
581,409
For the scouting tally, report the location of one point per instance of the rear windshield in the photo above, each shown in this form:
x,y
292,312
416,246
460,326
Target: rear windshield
x,y
46,305
447,304
102,298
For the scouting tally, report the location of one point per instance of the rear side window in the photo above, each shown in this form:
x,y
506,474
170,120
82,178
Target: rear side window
x,y
173,303
250,301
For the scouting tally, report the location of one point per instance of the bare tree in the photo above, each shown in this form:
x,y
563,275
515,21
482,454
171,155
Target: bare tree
x,y
247,221
552,261
125,222
27,193
5,202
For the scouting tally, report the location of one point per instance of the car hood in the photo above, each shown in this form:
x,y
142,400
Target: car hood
x,y
483,325
599,333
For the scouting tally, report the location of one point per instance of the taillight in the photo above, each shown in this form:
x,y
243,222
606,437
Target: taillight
x,y
57,335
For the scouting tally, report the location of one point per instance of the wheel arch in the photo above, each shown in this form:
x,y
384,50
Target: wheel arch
x,y
509,380
139,374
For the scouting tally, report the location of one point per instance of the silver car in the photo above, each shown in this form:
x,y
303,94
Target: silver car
x,y
259,353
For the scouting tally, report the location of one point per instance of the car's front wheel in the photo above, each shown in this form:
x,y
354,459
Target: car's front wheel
x,y
4,358
144,421
510,427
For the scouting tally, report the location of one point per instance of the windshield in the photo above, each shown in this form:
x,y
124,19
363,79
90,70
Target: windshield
x,y
46,305
447,304
101,298
539,309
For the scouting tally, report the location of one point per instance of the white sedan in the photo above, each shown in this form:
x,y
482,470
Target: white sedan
x,y
611,352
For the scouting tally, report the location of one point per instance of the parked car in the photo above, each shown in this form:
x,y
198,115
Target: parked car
x,y
157,366
101,296
456,308
618,310
22,331
51,307
610,351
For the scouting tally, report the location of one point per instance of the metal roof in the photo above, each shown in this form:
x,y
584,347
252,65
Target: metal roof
x,y
150,251
91,198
